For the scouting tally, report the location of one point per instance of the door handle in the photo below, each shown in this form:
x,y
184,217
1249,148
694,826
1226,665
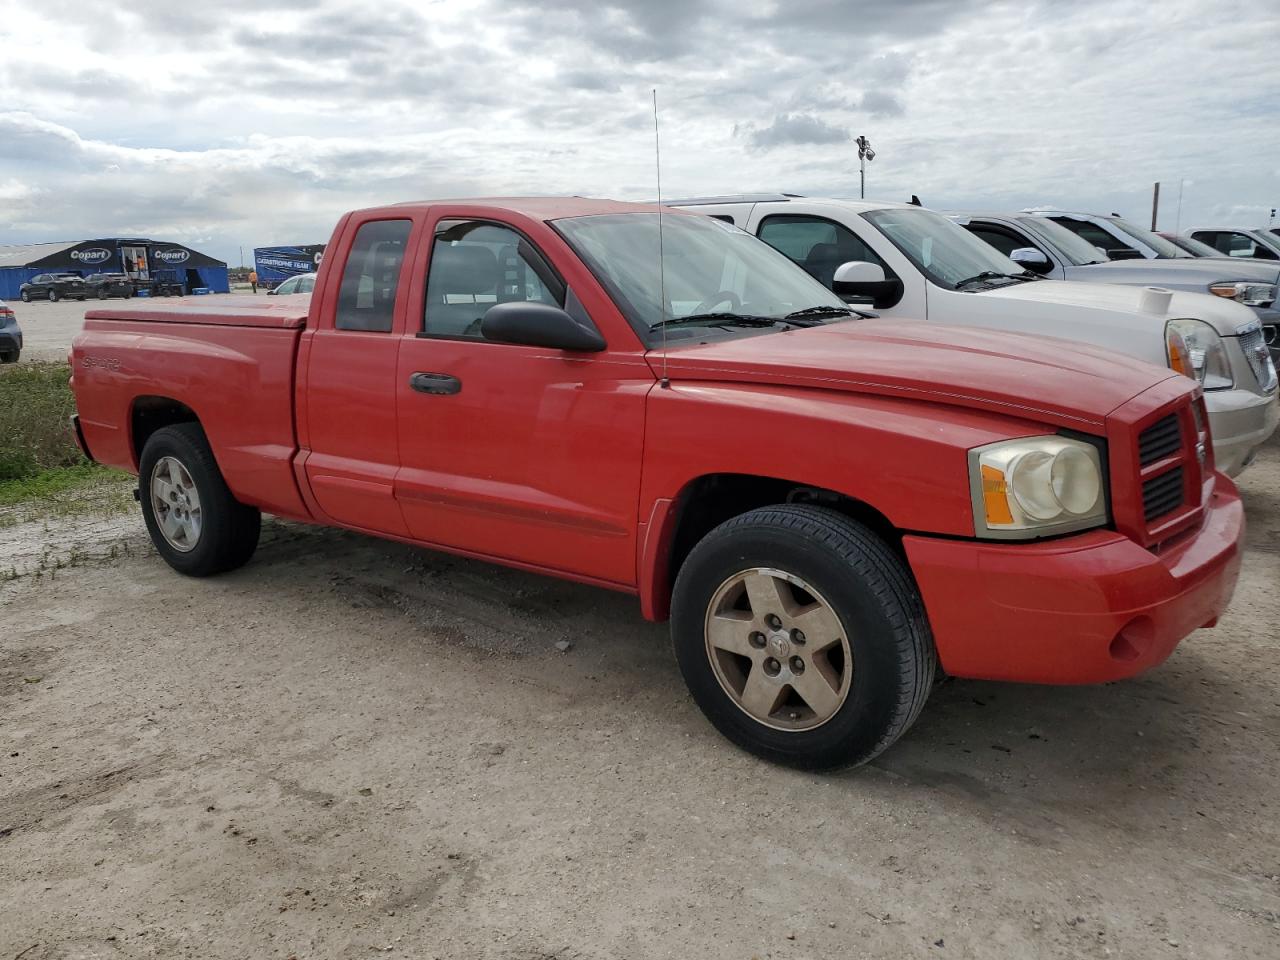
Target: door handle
x,y
437,383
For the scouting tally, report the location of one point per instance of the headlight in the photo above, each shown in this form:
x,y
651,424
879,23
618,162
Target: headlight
x,y
1250,294
1195,350
1036,487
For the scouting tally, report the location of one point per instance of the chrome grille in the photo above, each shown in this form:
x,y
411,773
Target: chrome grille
x,y
1162,439
1253,343
1162,494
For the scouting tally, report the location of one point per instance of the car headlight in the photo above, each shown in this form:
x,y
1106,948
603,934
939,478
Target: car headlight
x,y
1196,350
1036,487
1250,294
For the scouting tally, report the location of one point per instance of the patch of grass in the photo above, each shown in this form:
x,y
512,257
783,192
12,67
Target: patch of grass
x,y
46,483
42,472
35,420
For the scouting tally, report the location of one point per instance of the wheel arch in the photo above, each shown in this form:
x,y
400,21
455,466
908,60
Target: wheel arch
x,y
705,502
149,413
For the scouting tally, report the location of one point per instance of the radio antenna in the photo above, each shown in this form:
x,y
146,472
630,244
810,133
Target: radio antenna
x,y
662,267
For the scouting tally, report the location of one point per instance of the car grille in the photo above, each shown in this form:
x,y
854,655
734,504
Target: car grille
x,y
1162,495
1253,343
1162,461
1162,439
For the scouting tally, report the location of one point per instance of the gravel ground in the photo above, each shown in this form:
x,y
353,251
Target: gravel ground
x,y
351,748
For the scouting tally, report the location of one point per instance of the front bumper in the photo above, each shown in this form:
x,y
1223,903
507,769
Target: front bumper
x,y
1240,422
1083,609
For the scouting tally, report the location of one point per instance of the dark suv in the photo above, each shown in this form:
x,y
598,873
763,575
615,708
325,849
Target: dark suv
x,y
103,285
53,287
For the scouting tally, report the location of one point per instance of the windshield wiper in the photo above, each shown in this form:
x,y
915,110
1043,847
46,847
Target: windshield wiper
x,y
994,275
718,320
827,311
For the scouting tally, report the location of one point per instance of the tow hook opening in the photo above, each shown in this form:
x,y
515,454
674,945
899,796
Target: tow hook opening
x,y
1133,640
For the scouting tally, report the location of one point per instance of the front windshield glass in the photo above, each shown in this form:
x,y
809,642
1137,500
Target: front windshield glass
x,y
1196,248
1163,248
945,252
1071,245
1268,240
709,266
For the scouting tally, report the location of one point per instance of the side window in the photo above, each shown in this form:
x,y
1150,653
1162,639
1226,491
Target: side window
x,y
475,264
1243,245
1093,233
818,245
367,297
1002,240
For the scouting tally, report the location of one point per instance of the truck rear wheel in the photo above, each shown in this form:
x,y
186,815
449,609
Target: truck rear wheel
x,y
802,637
195,522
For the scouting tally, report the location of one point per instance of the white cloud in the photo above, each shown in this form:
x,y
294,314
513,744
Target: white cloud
x,y
226,127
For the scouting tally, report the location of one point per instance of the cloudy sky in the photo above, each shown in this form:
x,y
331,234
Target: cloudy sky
x,y
237,123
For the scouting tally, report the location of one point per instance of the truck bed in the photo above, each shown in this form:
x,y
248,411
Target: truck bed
x,y
277,312
230,361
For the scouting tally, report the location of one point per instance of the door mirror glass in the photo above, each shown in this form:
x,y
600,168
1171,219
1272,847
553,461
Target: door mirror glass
x,y
537,324
1029,258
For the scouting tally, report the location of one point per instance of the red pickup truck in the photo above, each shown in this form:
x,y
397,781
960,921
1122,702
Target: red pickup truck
x,y
829,507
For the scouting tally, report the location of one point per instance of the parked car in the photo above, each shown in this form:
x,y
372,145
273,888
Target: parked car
x,y
302,283
1042,245
907,261
10,335
830,508
1238,241
104,285
53,287
1122,239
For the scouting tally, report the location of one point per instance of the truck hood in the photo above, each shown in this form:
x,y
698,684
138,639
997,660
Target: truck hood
x,y
1187,274
1038,378
1118,306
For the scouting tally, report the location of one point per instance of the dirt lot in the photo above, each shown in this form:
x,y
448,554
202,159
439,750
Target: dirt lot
x,y
351,748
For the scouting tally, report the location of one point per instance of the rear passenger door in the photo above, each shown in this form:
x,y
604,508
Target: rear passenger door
x,y
347,404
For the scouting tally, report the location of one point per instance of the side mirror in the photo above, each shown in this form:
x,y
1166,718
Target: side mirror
x,y
1029,258
859,271
538,325
271,292
1124,253
860,280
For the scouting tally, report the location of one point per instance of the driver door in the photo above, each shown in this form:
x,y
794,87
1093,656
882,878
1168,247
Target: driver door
x,y
526,454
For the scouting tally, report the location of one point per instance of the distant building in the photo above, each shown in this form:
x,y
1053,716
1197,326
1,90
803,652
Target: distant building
x,y
277,264
140,259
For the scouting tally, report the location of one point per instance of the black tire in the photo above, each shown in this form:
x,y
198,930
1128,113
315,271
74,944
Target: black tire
x,y
102,294
10,356
868,587
229,532
53,296
25,296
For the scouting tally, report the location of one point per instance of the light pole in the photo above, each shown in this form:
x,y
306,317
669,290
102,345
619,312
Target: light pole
x,y
865,154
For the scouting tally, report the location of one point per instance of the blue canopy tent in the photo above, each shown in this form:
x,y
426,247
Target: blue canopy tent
x,y
142,259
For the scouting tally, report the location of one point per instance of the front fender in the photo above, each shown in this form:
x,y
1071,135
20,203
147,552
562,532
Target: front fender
x,y
906,459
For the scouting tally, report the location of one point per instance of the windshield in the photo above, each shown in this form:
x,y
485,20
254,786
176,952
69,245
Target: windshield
x,y
1073,247
1163,248
708,267
1268,240
945,252
1195,247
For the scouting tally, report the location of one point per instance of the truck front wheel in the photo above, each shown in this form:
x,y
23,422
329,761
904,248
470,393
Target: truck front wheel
x,y
195,522
802,637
